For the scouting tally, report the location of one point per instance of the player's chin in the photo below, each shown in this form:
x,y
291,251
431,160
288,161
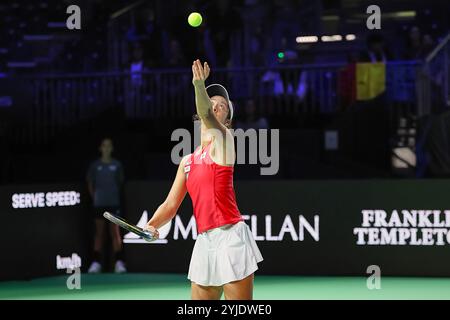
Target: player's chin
x,y
220,117
224,120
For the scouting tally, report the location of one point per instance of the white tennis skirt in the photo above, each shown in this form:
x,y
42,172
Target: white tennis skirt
x,y
224,254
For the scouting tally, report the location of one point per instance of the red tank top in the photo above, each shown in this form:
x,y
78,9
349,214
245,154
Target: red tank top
x,y
210,187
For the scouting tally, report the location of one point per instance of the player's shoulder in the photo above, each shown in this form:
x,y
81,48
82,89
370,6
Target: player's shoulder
x,y
185,159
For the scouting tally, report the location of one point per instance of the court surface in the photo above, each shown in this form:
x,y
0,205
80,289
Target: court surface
x,y
176,287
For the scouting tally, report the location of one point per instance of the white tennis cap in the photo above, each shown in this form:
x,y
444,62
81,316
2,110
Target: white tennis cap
x,y
216,89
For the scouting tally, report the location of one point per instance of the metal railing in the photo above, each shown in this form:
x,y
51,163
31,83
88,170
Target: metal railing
x,y
434,83
57,102
117,44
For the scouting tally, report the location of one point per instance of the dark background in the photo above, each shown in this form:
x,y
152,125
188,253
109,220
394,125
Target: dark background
x,y
62,91
32,238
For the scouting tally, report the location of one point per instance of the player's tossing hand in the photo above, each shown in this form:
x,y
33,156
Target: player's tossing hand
x,y
153,231
199,73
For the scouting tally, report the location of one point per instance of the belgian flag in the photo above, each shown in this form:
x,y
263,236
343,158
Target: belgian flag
x,y
362,81
370,80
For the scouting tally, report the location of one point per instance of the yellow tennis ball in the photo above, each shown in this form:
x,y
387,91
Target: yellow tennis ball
x,y
195,19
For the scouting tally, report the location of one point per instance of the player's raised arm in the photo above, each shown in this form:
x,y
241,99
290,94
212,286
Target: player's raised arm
x,y
202,101
168,209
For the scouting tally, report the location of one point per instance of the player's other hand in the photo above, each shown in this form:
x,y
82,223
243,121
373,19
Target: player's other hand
x,y
153,231
199,72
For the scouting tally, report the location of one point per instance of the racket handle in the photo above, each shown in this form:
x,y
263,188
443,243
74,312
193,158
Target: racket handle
x,y
149,237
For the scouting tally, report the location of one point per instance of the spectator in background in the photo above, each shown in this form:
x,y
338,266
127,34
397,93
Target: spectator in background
x,y
142,27
176,55
414,44
137,95
419,45
152,43
223,20
286,81
376,50
137,65
250,119
176,88
105,179
257,48
288,56
147,34
208,45
286,19
427,45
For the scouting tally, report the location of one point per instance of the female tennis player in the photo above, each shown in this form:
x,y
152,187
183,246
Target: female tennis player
x,y
225,254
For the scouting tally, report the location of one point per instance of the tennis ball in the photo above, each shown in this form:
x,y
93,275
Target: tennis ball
x,y
195,19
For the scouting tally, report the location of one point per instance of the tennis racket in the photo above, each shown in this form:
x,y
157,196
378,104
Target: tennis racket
x,y
121,222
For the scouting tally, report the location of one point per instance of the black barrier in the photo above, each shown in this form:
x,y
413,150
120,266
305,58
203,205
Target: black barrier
x,y
44,230
301,227
314,227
